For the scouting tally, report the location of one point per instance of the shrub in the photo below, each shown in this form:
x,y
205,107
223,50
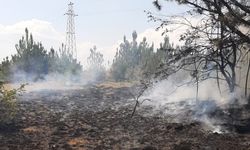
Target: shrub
x,y
8,106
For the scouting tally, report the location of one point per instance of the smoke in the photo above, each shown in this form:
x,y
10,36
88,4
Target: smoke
x,y
176,100
54,81
48,82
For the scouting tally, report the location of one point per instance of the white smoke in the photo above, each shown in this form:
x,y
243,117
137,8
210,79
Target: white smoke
x,y
175,98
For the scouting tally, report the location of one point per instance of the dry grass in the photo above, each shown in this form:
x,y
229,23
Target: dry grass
x,y
32,129
116,84
78,141
9,86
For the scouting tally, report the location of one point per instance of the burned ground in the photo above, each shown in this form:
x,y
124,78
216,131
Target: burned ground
x,y
99,117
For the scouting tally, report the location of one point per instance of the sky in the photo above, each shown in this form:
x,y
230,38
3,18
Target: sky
x,y
102,23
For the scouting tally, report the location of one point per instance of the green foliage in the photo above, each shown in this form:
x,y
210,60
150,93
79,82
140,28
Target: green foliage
x,y
31,57
32,62
8,106
5,69
62,62
135,61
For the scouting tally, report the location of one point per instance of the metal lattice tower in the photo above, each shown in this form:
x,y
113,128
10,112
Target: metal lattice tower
x,y
70,31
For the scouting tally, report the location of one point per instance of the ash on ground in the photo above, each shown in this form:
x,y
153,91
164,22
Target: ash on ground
x,y
99,117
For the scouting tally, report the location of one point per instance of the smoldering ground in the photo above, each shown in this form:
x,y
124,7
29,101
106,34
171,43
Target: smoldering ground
x,y
174,99
178,100
99,117
67,112
60,114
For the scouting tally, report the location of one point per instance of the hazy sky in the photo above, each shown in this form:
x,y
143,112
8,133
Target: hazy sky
x,y
100,22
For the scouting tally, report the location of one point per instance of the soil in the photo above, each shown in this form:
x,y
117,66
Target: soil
x,y
99,117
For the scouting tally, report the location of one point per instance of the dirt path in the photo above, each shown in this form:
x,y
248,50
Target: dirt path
x,y
99,118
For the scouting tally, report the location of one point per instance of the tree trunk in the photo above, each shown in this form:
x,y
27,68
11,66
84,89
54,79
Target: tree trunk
x,y
248,69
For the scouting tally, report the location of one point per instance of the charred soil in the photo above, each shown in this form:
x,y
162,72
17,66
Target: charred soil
x,y
99,117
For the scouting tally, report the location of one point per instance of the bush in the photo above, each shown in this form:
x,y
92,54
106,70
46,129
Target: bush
x,y
8,106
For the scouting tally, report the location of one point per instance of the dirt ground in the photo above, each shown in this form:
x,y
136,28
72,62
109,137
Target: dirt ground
x,y
99,117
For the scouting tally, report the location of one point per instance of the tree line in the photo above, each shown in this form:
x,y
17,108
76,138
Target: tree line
x,y
137,60
133,61
217,47
33,62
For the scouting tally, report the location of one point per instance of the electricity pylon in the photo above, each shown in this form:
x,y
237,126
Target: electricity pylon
x,y
70,31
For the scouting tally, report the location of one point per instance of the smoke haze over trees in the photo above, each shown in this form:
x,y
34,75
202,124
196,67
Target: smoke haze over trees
x,y
32,62
96,70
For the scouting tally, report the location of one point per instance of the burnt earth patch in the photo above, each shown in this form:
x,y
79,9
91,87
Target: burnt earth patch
x,y
100,118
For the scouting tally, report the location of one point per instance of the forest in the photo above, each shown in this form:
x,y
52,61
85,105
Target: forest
x,y
190,96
